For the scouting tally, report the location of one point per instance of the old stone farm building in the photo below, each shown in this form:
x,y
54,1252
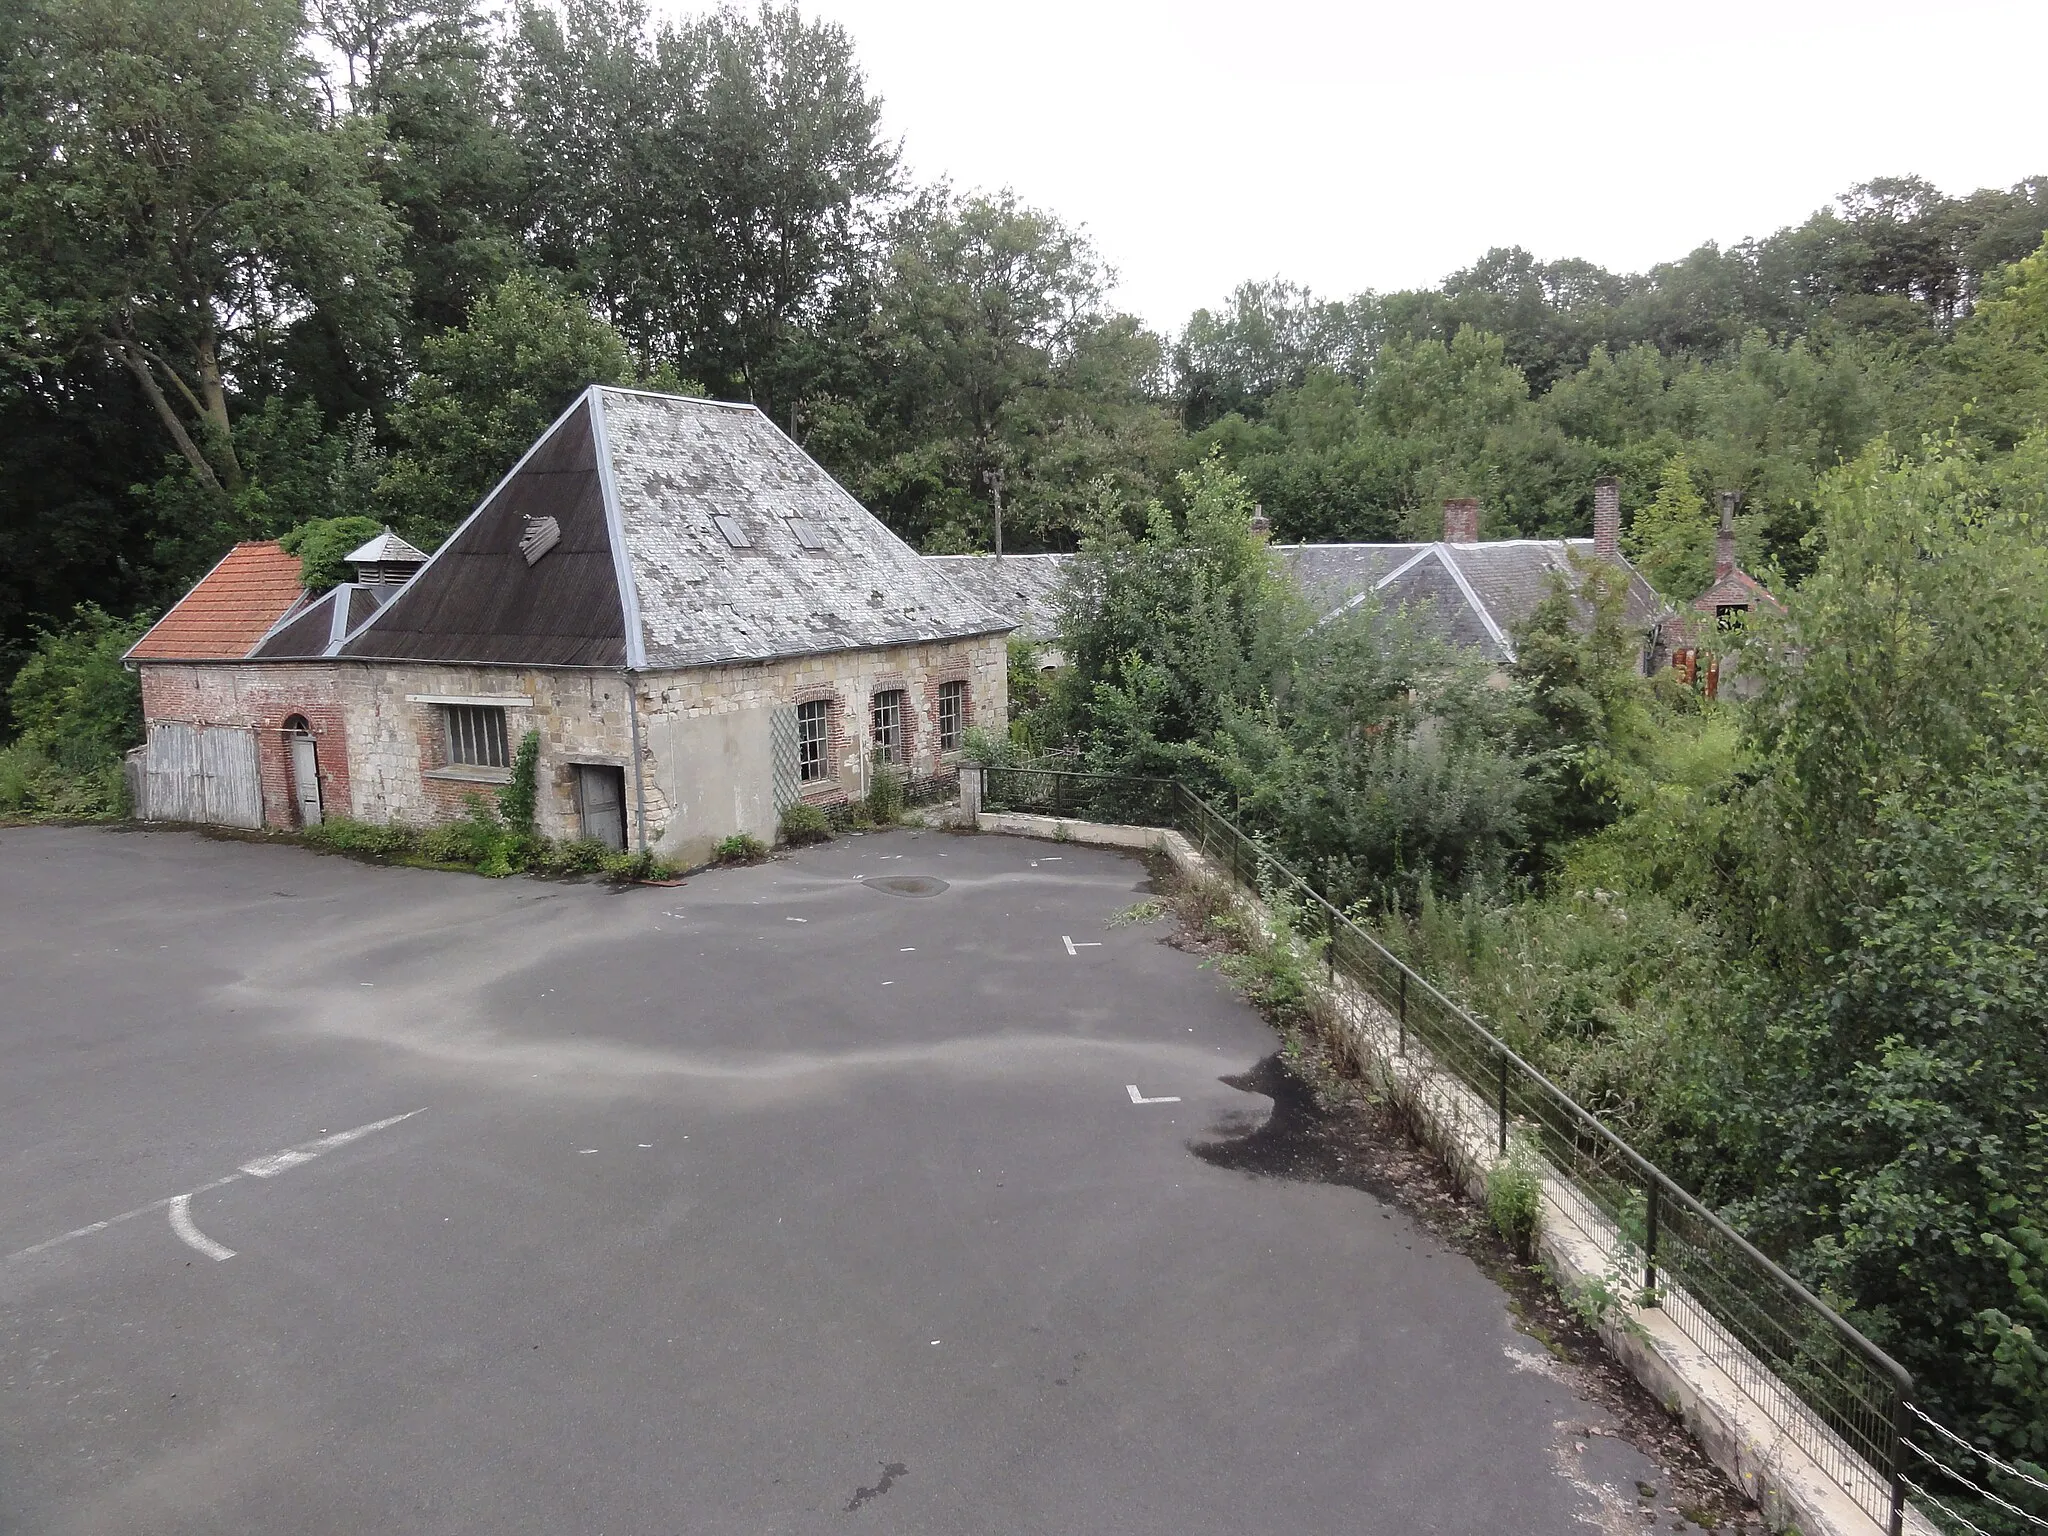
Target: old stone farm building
x,y
701,625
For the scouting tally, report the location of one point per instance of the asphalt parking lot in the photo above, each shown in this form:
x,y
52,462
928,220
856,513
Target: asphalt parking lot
x,y
774,1202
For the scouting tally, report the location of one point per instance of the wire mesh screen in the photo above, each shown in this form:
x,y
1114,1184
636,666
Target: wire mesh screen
x,y
932,789
1061,793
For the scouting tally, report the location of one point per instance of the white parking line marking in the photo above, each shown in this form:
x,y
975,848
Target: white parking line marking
x,y
262,1168
1139,1098
270,1167
191,1236
1075,949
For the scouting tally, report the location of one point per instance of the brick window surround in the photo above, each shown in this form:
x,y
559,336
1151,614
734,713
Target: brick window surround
x,y
889,724
951,710
814,741
477,736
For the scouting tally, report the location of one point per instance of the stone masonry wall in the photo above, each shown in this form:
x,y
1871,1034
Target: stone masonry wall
x,y
398,737
382,737
848,681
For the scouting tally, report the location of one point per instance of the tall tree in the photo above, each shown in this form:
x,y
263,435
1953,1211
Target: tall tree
x,y
486,391
179,200
713,186
997,353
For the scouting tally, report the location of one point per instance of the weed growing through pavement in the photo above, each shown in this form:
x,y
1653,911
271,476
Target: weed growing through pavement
x,y
740,848
1148,911
1514,1198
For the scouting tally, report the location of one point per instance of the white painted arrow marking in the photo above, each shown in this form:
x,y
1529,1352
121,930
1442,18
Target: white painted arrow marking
x,y
191,1236
1139,1098
1075,949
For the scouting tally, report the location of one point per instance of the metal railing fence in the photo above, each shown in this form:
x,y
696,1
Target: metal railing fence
x,y
1839,1397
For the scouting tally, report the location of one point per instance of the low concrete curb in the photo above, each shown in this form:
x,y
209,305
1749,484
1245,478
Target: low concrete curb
x,y
1754,1444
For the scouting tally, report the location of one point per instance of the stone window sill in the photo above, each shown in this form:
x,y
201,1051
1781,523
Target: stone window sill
x,y
463,773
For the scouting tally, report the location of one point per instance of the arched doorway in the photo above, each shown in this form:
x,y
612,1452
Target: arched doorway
x,y
305,756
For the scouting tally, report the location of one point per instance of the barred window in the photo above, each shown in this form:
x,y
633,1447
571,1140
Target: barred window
x,y
476,735
952,715
887,717
813,738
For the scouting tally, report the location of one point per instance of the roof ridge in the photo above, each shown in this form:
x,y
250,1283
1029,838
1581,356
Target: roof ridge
x,y
663,394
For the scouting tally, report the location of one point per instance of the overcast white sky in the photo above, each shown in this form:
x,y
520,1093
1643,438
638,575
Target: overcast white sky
x,y
1382,146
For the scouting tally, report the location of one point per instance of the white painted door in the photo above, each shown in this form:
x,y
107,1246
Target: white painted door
x,y
306,777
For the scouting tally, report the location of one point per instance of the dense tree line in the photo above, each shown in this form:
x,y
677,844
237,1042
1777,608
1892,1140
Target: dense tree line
x,y
266,261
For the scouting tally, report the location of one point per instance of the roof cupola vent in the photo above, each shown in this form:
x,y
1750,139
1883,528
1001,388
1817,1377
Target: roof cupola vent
x,y
386,561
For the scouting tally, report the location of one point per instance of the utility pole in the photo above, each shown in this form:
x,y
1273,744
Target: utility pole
x,y
994,477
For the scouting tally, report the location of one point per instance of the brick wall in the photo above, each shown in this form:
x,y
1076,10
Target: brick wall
x,y
262,696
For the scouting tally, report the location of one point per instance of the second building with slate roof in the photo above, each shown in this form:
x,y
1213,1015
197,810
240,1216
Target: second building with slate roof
x,y
701,626
1475,593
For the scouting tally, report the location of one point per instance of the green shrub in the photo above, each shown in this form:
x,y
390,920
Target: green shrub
x,y
21,770
32,786
885,795
581,856
516,800
625,868
740,848
72,700
1514,1199
320,544
344,834
479,841
802,824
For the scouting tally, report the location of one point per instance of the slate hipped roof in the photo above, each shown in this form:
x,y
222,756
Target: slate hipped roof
x,y
691,533
1474,595
231,608
318,629
1023,588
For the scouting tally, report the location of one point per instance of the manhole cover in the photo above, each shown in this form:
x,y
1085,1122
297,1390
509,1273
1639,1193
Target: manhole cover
x,y
907,885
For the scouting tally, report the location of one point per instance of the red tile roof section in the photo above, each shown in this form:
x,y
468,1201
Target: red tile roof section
x,y
231,608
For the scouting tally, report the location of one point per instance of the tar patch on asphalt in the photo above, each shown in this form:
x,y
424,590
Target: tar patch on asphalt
x,y
906,885
1298,1140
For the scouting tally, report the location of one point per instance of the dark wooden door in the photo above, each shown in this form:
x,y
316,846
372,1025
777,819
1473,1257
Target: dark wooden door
x,y
601,802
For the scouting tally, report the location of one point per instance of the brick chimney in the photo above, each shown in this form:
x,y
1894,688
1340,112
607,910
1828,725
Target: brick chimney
x,y
1607,518
1724,542
1461,520
1262,525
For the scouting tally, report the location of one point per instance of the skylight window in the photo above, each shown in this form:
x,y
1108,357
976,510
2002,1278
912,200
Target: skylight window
x,y
807,536
733,533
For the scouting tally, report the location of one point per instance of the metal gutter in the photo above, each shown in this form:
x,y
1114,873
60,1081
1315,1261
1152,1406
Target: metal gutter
x,y
639,782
